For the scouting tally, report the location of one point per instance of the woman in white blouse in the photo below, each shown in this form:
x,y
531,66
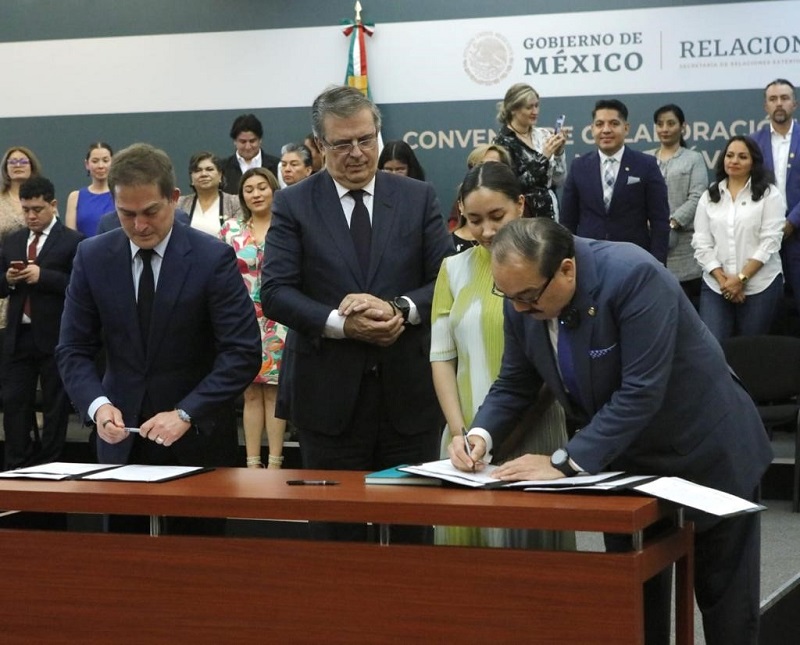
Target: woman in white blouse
x,y
208,207
738,233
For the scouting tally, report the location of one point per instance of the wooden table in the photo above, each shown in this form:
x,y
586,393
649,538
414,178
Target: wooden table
x,y
68,587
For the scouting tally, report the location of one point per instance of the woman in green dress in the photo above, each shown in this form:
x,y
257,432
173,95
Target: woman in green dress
x,y
467,347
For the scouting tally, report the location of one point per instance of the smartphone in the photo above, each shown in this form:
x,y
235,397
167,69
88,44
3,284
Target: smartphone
x,y
18,265
559,123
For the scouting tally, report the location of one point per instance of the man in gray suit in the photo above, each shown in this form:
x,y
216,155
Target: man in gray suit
x,y
350,262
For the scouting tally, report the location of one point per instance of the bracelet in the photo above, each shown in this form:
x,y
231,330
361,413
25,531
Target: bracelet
x,y
275,460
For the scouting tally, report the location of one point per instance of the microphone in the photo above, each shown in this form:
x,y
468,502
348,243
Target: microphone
x,y
570,317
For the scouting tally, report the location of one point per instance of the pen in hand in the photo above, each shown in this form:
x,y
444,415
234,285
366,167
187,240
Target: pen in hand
x,y
467,447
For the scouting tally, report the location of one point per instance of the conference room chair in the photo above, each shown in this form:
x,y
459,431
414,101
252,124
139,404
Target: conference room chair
x,y
769,367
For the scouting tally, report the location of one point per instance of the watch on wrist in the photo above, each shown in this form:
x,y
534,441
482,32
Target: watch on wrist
x,y
402,305
183,416
743,278
560,461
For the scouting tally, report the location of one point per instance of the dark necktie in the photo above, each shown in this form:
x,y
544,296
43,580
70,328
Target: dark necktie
x,y
146,293
26,306
361,230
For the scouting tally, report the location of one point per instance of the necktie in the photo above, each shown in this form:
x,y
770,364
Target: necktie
x,y
609,178
566,365
361,230
146,293
26,306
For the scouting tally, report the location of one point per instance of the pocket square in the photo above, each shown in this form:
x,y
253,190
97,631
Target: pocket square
x,y
633,180
599,353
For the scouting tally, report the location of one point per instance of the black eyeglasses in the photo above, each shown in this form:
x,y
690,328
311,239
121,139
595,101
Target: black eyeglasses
x,y
528,301
346,148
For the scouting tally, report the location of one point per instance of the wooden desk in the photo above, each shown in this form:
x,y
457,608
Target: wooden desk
x,y
108,588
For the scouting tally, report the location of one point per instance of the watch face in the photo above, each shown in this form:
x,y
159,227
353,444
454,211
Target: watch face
x,y
560,457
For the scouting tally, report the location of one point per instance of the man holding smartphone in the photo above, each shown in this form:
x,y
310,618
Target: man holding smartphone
x,y
35,266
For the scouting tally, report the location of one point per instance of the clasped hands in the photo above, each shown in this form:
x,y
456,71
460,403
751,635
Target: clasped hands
x,y
165,428
370,319
524,468
732,288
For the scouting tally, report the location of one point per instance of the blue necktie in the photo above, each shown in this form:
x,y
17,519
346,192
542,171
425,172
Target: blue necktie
x,y
566,365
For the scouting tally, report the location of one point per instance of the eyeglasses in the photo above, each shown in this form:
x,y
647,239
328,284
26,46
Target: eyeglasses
x,y
523,300
346,148
18,162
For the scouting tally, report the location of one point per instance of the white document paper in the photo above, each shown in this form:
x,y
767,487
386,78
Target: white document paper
x,y
55,470
139,473
565,482
444,469
703,498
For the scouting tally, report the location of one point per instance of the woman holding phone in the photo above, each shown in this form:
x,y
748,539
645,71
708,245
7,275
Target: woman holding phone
x,y
537,154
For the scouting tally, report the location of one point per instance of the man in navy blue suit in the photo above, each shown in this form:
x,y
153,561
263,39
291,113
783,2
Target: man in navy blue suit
x,y
616,193
610,331
780,143
351,258
177,323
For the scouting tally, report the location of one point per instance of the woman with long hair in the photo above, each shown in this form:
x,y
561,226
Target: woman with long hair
x,y
467,346
738,233
399,158
246,235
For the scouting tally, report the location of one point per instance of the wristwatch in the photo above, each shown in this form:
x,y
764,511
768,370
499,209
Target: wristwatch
x,y
560,461
183,416
743,278
402,305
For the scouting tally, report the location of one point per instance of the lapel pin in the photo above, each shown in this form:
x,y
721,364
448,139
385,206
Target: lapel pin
x,y
592,311
627,169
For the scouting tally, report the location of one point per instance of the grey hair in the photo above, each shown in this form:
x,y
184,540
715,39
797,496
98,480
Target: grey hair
x,y
343,102
300,150
539,240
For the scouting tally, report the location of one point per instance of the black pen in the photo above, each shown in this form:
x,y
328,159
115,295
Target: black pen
x,y
311,482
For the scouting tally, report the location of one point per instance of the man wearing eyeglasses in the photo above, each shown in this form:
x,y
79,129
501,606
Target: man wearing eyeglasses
x,y
350,262
610,331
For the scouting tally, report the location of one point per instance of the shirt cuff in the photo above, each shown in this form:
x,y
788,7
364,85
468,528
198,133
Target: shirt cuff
x,y
483,434
100,400
334,326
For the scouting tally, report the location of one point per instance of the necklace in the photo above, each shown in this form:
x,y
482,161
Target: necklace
x,y
526,135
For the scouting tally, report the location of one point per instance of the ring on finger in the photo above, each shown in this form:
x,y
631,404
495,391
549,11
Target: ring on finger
x,y
159,440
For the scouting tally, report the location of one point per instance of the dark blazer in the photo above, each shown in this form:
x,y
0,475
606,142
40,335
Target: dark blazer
x,y
204,346
310,264
232,172
110,221
639,210
764,140
47,295
658,396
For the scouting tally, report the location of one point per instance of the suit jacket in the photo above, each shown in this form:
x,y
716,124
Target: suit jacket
x,y
764,140
204,346
639,210
230,206
232,172
110,221
47,295
310,264
657,394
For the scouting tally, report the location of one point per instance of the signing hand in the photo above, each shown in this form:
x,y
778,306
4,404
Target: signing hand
x,y
458,454
526,468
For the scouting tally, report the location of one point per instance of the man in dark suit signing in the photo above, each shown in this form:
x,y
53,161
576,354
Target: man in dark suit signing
x,y
35,266
178,326
349,266
612,334
617,193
